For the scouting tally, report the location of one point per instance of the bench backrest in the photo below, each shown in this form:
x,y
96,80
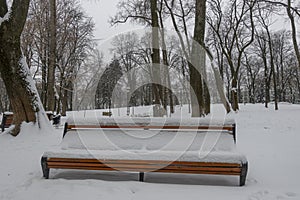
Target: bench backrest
x,y
152,124
7,120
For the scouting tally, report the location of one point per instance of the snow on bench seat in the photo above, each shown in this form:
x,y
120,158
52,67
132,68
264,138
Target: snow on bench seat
x,y
169,156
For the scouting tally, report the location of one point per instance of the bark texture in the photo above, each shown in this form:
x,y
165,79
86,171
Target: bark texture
x,y
199,92
13,68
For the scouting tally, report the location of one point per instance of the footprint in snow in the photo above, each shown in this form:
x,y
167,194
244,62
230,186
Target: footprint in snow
x,y
259,195
290,194
265,195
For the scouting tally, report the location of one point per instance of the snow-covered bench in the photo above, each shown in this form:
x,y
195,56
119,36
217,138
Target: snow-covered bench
x,y
142,145
7,120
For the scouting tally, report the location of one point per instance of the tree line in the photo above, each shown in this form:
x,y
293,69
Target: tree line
x,y
257,62
250,59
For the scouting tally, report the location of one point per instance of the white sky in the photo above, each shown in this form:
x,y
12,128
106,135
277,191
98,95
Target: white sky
x,y
101,10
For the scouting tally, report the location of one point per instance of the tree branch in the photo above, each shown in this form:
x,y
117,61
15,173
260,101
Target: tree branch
x,y
114,22
283,4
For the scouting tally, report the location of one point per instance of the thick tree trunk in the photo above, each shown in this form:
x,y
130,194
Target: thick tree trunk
x,y
167,83
14,70
197,101
199,91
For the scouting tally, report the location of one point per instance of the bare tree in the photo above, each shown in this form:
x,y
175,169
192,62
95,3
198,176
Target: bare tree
x,y
125,49
73,42
233,25
265,22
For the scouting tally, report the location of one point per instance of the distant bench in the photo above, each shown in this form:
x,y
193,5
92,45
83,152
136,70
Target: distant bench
x,y
7,119
170,147
107,113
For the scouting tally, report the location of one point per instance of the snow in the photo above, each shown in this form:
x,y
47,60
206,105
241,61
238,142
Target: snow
x,y
8,113
269,139
151,140
215,156
42,119
5,18
149,121
121,144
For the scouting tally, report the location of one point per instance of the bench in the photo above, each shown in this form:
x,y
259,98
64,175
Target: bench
x,y
49,115
7,120
107,114
142,146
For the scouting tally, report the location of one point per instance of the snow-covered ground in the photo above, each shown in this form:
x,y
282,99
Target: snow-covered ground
x,y
270,140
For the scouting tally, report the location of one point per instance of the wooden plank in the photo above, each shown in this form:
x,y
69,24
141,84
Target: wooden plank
x,y
200,172
146,170
145,162
72,126
145,166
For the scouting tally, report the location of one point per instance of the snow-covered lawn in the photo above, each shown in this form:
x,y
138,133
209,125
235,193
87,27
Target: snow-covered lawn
x,y
270,140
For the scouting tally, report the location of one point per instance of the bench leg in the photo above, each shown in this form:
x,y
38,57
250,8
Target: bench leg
x,y
45,168
243,174
141,176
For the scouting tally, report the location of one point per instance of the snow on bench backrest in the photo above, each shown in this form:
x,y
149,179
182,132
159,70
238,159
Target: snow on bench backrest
x,y
151,123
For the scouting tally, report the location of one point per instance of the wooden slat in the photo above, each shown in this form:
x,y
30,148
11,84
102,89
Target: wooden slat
x,y
146,166
146,170
144,162
200,172
229,128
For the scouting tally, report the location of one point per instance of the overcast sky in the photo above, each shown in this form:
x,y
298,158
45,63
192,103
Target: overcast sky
x,y
101,10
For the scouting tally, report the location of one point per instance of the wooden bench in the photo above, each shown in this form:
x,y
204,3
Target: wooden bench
x,y
7,120
107,114
167,161
49,115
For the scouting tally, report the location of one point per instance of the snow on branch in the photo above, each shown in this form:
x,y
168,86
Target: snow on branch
x,y
5,18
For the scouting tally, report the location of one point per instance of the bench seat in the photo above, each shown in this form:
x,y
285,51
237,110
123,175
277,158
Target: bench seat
x,y
222,163
168,156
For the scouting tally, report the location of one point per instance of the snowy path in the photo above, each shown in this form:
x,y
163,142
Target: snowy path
x,y
269,139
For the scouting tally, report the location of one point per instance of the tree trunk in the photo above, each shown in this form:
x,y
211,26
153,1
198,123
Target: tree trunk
x,y
64,103
197,65
220,88
234,94
273,73
167,83
19,85
155,60
294,32
52,58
